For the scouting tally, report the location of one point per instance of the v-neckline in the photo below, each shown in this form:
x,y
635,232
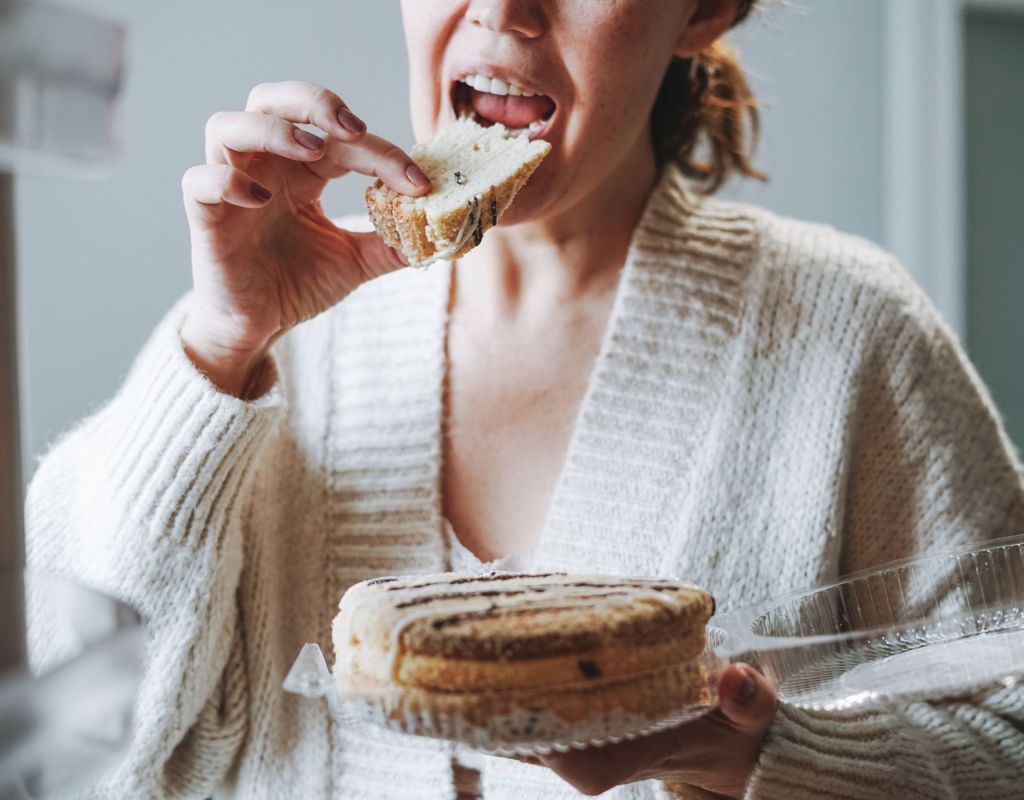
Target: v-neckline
x,y
537,548
651,393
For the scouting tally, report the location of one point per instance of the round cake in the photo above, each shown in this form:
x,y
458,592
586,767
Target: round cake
x,y
524,662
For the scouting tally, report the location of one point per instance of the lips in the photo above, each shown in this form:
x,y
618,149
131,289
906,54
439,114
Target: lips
x,y
489,98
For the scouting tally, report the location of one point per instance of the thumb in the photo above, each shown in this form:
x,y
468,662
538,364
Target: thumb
x,y
746,698
373,256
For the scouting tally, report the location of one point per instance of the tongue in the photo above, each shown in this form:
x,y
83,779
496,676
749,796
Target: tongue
x,y
512,112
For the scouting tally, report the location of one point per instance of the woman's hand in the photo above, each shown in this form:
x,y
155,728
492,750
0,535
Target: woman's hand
x,y
264,256
715,753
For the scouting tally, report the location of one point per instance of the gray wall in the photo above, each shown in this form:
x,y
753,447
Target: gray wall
x,y
102,260
995,210
817,69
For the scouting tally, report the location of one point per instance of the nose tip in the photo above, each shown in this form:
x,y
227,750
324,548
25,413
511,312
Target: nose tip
x,y
522,18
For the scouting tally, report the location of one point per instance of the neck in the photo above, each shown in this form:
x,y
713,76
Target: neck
x,y
529,269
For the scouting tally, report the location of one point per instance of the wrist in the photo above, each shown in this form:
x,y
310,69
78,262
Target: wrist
x,y
240,371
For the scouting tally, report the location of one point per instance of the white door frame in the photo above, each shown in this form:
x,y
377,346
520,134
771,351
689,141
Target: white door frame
x,y
924,182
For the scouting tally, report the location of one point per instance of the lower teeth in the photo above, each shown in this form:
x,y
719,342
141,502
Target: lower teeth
x,y
534,127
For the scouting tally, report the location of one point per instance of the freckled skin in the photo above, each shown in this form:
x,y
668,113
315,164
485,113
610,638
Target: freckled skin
x,y
601,60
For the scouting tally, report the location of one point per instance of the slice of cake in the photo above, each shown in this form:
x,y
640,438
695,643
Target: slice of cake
x,y
524,662
476,172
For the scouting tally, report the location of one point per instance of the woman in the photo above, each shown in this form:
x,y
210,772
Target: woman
x,y
625,377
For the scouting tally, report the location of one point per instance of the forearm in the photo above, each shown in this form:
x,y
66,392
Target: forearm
x,y
145,501
140,495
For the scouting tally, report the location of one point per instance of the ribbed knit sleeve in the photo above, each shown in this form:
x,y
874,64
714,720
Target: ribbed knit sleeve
x,y
929,466
144,501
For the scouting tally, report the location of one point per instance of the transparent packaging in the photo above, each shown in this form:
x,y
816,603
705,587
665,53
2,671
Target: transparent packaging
x,y
939,626
510,723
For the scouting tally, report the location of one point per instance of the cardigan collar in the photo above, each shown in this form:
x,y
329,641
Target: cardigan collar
x,y
653,388
648,405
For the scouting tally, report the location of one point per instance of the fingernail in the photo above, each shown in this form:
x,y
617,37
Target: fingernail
x,y
308,140
746,691
260,192
350,121
415,174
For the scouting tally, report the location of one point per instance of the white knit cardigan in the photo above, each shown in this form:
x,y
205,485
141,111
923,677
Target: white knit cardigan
x,y
774,404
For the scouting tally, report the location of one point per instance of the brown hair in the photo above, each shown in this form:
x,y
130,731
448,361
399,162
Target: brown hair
x,y
705,104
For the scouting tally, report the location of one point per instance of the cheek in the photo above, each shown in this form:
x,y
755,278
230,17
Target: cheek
x,y
618,61
613,103
427,26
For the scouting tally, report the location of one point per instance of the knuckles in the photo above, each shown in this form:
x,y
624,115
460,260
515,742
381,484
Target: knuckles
x,y
214,122
324,99
197,179
320,98
256,94
188,179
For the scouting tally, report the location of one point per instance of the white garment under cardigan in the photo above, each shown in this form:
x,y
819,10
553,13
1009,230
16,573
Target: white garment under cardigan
x,y
469,763
774,404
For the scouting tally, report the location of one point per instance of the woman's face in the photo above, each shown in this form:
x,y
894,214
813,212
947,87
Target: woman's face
x,y
593,68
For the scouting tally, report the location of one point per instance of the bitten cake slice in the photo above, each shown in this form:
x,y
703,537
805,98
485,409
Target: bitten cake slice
x,y
476,172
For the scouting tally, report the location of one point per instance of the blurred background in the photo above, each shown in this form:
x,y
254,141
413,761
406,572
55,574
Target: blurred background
x,y
899,120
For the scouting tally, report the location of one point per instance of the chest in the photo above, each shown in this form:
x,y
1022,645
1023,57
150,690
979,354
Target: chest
x,y
512,401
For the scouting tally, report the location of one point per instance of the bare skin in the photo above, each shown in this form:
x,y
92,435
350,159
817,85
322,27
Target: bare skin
x,y
532,302
521,347
529,307
264,256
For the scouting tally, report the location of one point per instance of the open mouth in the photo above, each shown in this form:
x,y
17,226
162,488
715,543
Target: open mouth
x,y
490,100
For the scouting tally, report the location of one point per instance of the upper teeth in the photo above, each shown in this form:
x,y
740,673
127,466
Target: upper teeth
x,y
495,86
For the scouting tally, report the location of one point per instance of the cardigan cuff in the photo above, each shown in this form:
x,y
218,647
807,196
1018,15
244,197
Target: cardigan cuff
x,y
167,461
169,420
852,756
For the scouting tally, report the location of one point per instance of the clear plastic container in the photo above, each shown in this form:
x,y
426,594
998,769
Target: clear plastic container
x,y
939,626
500,724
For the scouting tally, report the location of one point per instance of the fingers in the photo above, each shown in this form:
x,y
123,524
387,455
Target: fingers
x,y
208,186
377,158
241,132
596,770
302,102
270,123
716,752
746,698
534,760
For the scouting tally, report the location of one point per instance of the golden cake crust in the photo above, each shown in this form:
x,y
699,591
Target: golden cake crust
x,y
653,694
403,224
444,673
560,629
506,660
505,630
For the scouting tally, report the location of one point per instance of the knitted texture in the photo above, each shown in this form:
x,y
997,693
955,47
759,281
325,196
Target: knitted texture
x,y
774,404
